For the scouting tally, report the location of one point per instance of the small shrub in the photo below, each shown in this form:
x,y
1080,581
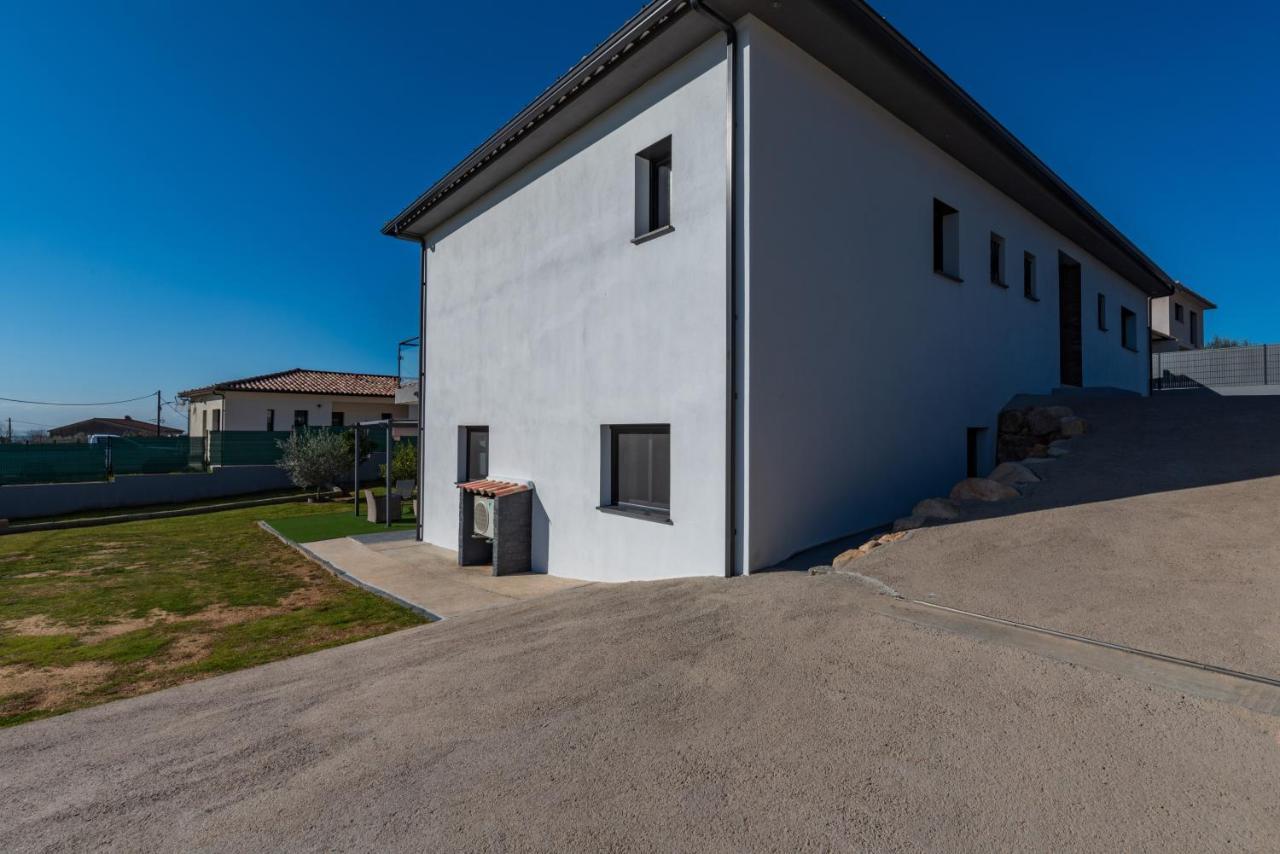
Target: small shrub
x,y
314,458
404,462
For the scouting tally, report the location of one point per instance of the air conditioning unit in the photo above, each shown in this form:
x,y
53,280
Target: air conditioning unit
x,y
482,517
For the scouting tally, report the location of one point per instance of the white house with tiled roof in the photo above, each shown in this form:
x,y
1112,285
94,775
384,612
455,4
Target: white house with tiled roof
x,y
751,276
297,397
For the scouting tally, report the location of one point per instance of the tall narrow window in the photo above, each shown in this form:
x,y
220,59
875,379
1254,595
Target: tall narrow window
x,y
217,420
640,470
1029,287
946,240
653,190
473,453
1102,312
997,260
1194,324
975,451
271,420
1128,329
301,418
1177,311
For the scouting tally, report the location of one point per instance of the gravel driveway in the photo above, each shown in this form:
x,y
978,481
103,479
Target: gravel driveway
x,y
770,713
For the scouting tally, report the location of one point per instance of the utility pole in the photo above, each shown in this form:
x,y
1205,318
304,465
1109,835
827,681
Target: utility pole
x,y
157,414
10,431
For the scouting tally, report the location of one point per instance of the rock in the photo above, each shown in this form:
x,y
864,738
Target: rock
x,y
1016,447
868,546
1059,411
1012,421
1012,474
886,539
847,557
1041,422
908,523
1059,448
820,570
1073,425
937,508
982,489
1037,451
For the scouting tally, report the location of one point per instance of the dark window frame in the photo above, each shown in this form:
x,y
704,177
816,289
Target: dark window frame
x,y
656,511
337,419
996,259
469,474
1030,274
946,240
1177,312
653,191
301,418
1102,312
1128,336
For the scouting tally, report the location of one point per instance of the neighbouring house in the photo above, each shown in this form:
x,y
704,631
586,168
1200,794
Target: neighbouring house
x,y
724,292
127,426
293,398
1177,321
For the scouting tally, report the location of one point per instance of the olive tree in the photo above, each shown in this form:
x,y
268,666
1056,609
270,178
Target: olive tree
x,y
314,458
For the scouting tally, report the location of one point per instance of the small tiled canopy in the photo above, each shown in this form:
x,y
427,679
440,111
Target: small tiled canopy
x,y
493,488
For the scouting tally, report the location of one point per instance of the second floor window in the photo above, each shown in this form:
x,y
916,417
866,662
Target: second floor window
x,y
997,260
946,239
1029,276
653,189
1102,312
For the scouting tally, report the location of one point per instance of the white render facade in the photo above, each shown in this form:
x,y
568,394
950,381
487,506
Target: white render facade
x,y
856,370
1177,321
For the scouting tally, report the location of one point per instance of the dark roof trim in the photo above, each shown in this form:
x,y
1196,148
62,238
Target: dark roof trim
x,y
1207,303
635,34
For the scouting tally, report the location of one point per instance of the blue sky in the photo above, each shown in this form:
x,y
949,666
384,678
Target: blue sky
x,y
193,192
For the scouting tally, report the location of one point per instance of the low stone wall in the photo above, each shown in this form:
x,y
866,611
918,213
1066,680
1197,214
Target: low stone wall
x,y
31,501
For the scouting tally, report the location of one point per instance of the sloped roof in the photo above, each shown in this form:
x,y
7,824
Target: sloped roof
x,y
133,425
1207,303
304,381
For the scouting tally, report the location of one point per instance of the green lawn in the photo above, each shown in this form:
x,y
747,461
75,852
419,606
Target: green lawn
x,y
344,523
95,614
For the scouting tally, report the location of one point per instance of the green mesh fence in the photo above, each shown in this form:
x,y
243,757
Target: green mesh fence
x,y
245,447
149,454
52,463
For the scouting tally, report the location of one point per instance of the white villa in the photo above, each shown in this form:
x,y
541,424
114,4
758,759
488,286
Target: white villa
x,y
1177,321
750,277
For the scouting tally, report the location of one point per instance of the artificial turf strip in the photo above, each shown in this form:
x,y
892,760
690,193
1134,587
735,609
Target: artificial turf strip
x,y
319,526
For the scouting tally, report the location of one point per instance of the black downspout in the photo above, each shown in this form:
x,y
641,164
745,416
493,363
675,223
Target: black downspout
x,y
731,295
422,387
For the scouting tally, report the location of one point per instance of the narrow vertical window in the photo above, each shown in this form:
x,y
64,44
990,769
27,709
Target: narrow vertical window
x,y
301,418
997,260
271,420
473,453
1102,312
653,191
1029,287
1128,329
1177,311
946,240
1194,322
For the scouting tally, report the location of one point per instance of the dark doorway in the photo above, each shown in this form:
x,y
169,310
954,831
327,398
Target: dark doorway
x,y
975,451
1069,331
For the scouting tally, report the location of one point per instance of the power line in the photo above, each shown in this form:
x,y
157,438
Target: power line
x,y
106,403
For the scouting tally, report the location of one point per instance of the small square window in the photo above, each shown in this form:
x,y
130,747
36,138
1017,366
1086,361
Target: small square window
x,y
1102,312
639,472
301,418
997,260
337,419
1128,329
1177,311
653,190
1029,285
946,240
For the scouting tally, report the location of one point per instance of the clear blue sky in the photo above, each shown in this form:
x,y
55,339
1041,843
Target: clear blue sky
x,y
192,192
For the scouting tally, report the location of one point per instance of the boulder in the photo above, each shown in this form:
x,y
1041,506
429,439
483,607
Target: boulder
x,y
847,557
868,546
937,508
982,489
1042,422
1073,425
820,570
908,523
1059,448
886,539
1012,421
1059,411
1012,474
1037,451
1016,447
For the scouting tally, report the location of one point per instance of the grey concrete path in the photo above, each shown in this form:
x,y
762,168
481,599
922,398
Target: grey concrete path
x,y
428,577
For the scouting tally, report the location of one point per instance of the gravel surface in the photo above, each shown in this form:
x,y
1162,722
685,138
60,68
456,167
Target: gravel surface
x,y
769,713
1161,530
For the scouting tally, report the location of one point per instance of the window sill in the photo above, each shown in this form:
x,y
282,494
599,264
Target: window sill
x,y
1000,284
949,277
1032,297
647,516
1130,349
650,235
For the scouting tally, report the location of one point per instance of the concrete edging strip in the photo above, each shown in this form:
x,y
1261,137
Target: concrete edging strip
x,y
348,577
94,521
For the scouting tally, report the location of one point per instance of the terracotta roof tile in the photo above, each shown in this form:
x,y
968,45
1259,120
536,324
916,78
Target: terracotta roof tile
x,y
493,488
303,381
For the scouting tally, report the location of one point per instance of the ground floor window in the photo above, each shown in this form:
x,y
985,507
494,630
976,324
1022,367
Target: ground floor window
x,y
337,419
1128,329
639,473
473,453
301,418
271,420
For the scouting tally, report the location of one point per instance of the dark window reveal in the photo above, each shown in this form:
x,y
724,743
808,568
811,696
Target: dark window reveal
x,y
338,419
1128,329
301,418
653,189
946,239
997,260
1102,312
1029,276
476,451
641,468
271,420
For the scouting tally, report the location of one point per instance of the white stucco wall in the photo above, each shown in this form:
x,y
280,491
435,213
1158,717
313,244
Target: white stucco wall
x,y
1163,319
543,322
248,410
864,367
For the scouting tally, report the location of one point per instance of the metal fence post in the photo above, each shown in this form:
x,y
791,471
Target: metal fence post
x,y
1266,380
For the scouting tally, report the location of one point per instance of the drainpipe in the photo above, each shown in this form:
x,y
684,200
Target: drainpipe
x,y
731,285
422,386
